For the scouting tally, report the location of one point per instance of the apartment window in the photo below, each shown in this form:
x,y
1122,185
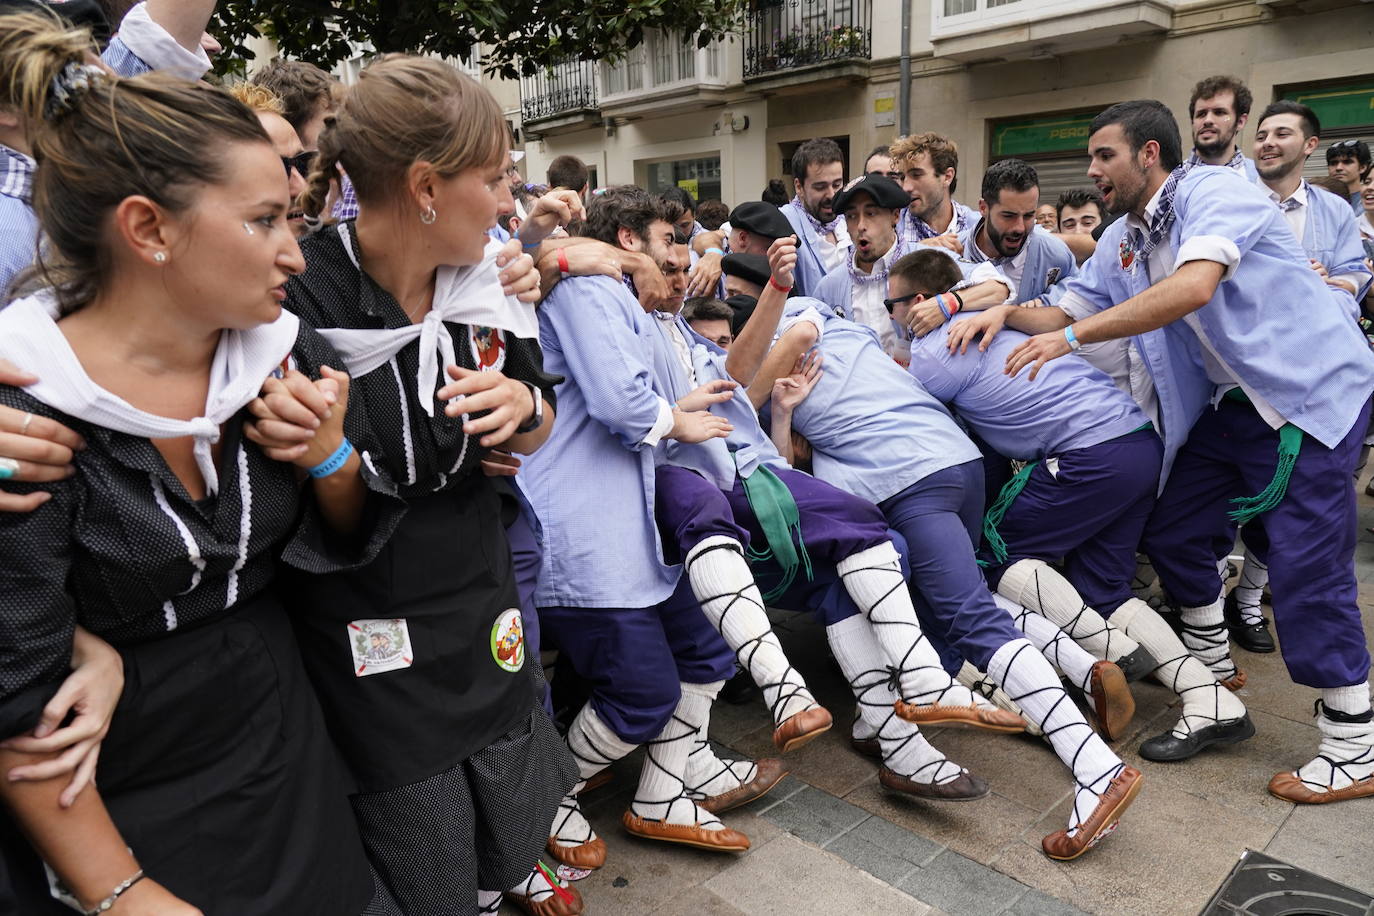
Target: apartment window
x,y
959,7
686,58
700,176
660,60
993,3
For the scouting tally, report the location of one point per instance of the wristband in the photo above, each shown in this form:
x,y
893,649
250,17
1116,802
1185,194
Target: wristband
x,y
779,287
940,304
333,462
714,250
1071,338
110,901
536,419
529,246
959,303
563,264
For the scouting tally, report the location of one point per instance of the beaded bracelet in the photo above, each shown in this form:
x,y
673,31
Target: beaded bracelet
x,y
333,462
120,888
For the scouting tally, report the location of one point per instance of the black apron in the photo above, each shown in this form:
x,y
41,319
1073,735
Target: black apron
x,y
446,572
220,776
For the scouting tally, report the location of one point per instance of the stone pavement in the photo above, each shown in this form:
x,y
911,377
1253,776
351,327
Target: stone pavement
x,y
829,840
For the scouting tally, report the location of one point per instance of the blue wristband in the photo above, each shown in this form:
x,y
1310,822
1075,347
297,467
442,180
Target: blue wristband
x,y
1071,338
333,462
529,246
944,309
714,250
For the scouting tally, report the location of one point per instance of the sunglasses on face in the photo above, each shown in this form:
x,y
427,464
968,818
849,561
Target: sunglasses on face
x,y
301,163
898,300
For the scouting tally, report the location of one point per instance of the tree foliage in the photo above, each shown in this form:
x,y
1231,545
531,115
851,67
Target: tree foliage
x,y
517,35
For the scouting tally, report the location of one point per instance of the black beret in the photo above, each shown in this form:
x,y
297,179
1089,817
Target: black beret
x,y
751,267
761,219
885,192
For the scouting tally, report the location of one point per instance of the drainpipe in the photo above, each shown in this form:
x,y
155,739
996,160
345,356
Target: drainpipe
x,y
904,80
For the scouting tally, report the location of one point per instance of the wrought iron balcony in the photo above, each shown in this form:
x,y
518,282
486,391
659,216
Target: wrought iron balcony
x,y
781,35
565,90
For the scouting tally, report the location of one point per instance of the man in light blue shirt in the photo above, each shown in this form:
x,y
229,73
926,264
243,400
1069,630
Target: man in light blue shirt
x,y
823,241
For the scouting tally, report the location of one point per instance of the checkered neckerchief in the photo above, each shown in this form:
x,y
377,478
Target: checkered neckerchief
x,y
16,175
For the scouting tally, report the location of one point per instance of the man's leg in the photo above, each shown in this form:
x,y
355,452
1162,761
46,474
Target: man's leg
x,y
695,519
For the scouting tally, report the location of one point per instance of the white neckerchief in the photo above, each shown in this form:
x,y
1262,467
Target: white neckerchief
x,y
464,295
30,338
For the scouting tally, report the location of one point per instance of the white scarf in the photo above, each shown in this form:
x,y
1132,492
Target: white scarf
x,y
30,338
463,295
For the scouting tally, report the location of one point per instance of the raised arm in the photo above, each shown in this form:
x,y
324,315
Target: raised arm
x,y
748,351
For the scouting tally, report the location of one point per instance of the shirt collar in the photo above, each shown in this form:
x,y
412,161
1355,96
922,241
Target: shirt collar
x,y
1144,225
1300,195
16,175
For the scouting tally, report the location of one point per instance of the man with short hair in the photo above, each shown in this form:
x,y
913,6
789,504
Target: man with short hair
x,y
1256,402
1219,107
823,241
1047,217
306,93
1349,161
879,162
1006,234
711,319
568,173
1080,211
929,164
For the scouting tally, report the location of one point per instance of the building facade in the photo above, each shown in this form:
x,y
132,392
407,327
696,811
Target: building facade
x,y
1001,77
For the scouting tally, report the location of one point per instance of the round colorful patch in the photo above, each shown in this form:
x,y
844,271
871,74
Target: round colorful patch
x,y
508,640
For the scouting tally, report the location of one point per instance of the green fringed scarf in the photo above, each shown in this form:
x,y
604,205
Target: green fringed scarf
x,y
1010,490
1290,443
777,513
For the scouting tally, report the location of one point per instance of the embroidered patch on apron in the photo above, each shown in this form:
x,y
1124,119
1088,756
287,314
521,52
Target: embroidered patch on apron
x,y
488,347
508,640
1052,276
379,645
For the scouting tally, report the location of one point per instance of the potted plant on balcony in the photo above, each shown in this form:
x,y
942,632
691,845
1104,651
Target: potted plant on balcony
x,y
788,48
844,41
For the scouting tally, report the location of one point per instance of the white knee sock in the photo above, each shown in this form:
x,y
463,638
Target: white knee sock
x,y
708,774
1052,642
725,588
873,578
489,902
594,746
1205,702
1036,585
905,750
1346,754
536,886
661,794
1249,591
1024,673
1204,633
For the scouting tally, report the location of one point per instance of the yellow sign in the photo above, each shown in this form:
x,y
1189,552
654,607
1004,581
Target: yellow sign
x,y
884,103
689,185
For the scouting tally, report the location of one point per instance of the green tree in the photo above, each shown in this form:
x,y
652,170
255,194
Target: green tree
x,y
517,35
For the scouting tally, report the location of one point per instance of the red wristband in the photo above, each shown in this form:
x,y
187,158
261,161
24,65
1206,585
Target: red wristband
x,y
562,262
774,283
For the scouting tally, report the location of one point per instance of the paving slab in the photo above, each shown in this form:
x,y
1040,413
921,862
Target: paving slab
x,y
978,829
960,885
787,877
815,816
1331,840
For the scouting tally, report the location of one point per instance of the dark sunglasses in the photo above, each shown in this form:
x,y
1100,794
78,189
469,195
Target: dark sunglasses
x,y
1342,144
301,162
898,300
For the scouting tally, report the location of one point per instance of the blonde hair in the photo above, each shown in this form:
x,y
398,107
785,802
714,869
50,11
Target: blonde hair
x,y
258,98
405,110
944,153
35,47
152,135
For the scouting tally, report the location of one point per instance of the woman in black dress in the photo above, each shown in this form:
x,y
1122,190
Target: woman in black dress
x,y
219,791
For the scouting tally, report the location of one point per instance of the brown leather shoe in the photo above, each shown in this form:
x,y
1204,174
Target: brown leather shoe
x,y
1290,788
596,781
588,855
966,788
801,728
1235,681
1121,791
568,903
988,718
769,771
869,747
1112,700
725,840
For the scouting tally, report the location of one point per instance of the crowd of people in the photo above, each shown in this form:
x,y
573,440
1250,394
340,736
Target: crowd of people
x,y
323,431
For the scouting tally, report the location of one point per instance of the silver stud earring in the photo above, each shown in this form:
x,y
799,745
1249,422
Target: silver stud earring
x,y
428,216
160,257
248,229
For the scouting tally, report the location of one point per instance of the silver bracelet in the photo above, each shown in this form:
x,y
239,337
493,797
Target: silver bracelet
x,y
109,901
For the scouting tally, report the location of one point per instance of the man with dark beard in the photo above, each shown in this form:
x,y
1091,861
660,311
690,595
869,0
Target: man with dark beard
x,y
1219,107
1031,258
823,242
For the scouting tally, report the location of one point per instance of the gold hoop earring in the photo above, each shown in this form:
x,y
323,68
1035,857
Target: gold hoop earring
x,y
428,216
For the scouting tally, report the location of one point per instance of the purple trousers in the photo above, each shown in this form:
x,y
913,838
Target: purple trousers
x,y
689,509
940,517
1090,512
1231,452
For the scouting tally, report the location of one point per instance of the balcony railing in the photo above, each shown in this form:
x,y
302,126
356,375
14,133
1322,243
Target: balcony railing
x,y
664,60
566,88
786,34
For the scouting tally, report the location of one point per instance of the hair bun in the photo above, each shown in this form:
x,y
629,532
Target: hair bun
x,y
74,81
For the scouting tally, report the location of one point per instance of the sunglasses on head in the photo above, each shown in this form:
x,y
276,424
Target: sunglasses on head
x,y
301,162
1342,144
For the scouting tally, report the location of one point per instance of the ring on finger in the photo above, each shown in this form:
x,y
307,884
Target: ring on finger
x,y
24,427
8,468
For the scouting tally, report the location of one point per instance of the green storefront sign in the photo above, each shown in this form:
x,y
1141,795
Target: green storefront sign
x,y
1054,134
1351,105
